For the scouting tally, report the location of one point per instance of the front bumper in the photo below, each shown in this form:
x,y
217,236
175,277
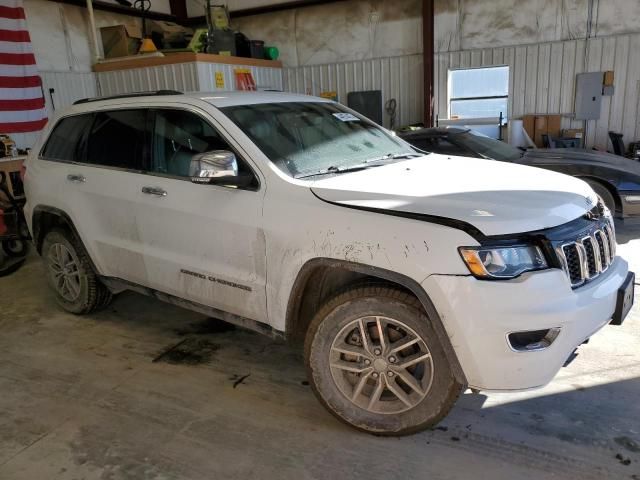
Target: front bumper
x,y
478,315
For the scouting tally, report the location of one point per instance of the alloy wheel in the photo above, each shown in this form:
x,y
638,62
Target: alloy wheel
x,y
381,365
64,272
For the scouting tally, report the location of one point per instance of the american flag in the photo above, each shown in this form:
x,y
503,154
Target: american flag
x,y
22,107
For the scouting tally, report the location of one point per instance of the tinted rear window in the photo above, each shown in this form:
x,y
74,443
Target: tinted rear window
x,y
117,139
64,140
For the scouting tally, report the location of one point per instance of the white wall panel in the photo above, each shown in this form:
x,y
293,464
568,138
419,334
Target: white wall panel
x,y
265,78
397,77
67,88
542,81
181,76
185,77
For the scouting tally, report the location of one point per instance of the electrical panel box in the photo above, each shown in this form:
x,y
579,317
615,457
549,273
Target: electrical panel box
x,y
588,95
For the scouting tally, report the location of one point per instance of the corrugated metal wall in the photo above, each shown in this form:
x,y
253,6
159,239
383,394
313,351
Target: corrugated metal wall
x,y
265,78
185,77
397,77
67,88
181,76
542,80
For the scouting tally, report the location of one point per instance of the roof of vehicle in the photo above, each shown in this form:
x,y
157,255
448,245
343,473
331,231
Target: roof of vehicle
x,y
217,99
227,99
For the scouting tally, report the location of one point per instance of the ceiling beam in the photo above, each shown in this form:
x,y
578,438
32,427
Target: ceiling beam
x,y
247,12
122,9
179,10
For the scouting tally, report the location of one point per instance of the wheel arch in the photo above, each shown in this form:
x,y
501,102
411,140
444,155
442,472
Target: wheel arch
x,y
610,188
46,218
333,275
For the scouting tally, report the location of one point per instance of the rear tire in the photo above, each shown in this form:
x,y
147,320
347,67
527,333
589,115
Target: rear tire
x,y
605,194
70,274
375,362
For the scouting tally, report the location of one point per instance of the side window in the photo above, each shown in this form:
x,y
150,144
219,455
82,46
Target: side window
x,y
178,136
64,142
117,139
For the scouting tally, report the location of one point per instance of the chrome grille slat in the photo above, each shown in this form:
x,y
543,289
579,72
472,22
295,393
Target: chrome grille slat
x,y
603,244
586,258
593,267
611,237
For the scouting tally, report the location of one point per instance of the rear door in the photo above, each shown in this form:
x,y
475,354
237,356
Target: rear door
x,y
204,243
99,181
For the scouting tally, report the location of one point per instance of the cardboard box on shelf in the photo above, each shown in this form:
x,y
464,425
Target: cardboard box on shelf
x,y
538,125
171,32
573,133
121,40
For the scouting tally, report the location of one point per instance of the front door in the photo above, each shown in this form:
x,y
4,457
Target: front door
x,y
204,243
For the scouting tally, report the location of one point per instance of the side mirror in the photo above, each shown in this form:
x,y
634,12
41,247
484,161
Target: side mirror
x,y
218,163
218,167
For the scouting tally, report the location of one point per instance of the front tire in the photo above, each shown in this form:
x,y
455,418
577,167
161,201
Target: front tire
x,y
375,362
70,274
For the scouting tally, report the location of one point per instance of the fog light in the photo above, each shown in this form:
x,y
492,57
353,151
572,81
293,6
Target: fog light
x,y
632,198
532,340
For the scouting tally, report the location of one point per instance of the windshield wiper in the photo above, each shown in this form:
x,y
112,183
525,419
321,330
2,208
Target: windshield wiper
x,y
361,166
394,156
337,170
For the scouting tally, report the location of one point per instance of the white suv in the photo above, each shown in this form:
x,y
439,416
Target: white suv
x,y
409,276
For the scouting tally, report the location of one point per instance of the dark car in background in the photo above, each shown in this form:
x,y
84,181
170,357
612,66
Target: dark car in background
x,y
616,179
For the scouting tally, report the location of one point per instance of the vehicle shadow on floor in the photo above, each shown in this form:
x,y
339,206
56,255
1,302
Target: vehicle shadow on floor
x,y
587,422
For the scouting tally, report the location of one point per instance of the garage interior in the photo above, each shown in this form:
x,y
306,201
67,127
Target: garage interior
x,y
145,390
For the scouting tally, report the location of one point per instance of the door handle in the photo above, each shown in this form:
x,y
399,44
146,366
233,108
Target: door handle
x,y
72,177
154,191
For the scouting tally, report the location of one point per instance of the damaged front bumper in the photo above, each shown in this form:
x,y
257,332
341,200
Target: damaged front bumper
x,y
481,317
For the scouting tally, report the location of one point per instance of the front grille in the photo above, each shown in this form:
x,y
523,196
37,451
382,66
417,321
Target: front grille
x,y
573,264
588,257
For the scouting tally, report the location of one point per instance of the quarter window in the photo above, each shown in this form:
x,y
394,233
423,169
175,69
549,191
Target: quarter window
x,y
117,139
64,142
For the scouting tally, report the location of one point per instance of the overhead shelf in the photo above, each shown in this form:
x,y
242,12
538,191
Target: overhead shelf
x,y
128,63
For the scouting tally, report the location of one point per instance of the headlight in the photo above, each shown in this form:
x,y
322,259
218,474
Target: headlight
x,y
502,262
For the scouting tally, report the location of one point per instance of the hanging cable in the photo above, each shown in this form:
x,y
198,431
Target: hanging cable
x,y
390,108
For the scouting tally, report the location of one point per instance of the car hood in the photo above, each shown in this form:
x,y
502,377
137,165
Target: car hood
x,y
549,156
497,198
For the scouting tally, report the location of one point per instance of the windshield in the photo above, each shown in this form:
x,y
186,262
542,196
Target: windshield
x,y
487,147
311,138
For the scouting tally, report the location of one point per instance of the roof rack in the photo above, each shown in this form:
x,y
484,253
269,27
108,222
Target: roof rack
x,y
128,95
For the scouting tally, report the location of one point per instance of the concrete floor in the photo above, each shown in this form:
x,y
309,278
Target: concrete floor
x,y
83,398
